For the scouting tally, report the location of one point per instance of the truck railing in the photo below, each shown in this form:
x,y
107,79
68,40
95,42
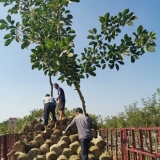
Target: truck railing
x,y
141,143
6,145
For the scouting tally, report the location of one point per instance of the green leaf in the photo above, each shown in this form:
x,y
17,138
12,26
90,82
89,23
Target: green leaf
x,y
3,26
117,67
93,74
23,45
91,43
94,30
106,16
3,21
8,36
104,66
87,75
111,66
118,30
8,18
151,49
12,31
90,31
40,67
121,62
7,42
71,31
139,29
91,37
120,14
83,57
102,61
75,0
97,65
130,23
132,59
101,19
133,18
125,11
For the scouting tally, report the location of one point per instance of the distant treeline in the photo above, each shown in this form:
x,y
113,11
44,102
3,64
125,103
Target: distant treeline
x,y
146,116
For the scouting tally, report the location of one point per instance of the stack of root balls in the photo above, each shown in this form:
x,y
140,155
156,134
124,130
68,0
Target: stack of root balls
x,y
33,144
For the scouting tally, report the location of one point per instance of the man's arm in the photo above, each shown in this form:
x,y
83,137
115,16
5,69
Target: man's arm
x,y
59,93
69,126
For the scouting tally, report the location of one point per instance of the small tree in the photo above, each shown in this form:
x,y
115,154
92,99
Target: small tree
x,y
48,24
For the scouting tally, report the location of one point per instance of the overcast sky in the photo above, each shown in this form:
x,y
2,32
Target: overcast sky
x,y
22,89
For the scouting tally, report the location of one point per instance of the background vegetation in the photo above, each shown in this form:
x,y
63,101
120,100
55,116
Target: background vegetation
x,y
146,116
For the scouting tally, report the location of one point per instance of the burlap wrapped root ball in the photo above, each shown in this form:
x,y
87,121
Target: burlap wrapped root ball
x,y
74,146
19,146
38,127
44,148
91,157
40,157
33,153
79,151
74,157
105,156
33,123
57,132
35,133
23,156
99,142
54,139
95,151
39,138
62,144
52,155
15,156
56,148
27,128
66,139
62,157
49,142
74,138
48,134
67,152
32,144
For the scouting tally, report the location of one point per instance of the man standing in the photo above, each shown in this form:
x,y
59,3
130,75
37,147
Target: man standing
x,y
61,98
84,125
49,106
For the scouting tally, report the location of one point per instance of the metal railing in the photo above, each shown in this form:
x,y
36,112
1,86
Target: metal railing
x,y
124,143
133,143
6,145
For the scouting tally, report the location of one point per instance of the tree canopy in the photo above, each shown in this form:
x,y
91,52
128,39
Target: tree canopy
x,y
48,25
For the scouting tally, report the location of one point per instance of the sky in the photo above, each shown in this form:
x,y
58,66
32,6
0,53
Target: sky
x,y
22,89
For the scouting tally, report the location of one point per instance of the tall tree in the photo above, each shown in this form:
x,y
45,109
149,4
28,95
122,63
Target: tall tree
x,y
48,24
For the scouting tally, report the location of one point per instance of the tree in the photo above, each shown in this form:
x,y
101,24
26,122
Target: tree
x,y
48,24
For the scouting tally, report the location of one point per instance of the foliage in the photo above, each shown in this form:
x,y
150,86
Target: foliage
x,y
147,116
37,114
48,25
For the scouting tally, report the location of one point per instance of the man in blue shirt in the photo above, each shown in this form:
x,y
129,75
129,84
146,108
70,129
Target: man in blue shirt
x,y
61,99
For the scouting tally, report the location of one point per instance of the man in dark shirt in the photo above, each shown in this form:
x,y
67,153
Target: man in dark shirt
x,y
84,125
61,99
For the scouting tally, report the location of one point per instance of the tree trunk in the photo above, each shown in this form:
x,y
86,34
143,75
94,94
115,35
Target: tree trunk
x,y
50,80
82,99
